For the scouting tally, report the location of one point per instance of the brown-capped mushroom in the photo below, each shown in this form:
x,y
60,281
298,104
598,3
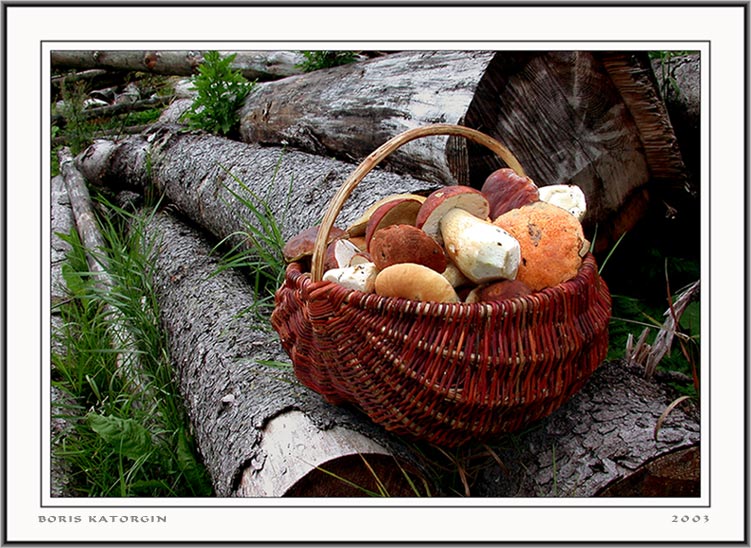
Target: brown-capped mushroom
x,y
357,228
505,190
415,282
406,244
441,201
552,243
395,212
302,244
498,291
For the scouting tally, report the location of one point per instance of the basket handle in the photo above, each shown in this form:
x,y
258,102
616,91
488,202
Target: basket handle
x,y
375,157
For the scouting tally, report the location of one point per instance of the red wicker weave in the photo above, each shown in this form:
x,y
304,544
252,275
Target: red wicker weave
x,y
446,373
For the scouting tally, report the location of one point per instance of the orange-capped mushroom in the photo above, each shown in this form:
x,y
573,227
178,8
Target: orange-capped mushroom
x,y
552,243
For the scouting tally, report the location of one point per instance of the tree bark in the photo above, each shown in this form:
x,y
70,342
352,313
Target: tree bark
x,y
61,222
589,118
207,178
601,441
260,432
261,65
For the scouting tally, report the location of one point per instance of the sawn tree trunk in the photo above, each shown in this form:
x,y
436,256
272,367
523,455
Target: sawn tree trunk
x,y
594,119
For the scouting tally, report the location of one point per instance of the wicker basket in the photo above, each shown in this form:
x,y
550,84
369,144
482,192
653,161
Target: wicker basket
x,y
446,373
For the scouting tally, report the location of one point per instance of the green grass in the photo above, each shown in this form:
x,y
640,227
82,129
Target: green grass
x,y
258,249
127,438
321,59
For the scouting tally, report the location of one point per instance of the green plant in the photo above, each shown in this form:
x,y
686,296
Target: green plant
x,y
221,91
78,131
315,60
125,438
258,250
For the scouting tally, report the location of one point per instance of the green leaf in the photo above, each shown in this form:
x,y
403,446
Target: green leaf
x,y
126,436
190,467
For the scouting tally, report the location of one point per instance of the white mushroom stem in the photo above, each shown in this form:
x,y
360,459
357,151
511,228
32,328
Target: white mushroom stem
x,y
481,250
569,197
360,277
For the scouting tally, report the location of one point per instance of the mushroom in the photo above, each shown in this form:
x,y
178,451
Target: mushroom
x,y
402,211
339,254
361,277
498,291
301,245
481,250
552,243
406,244
360,258
415,282
569,197
454,275
505,190
357,228
441,201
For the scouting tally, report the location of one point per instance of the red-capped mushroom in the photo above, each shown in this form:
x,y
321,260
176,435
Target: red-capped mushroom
x,y
505,190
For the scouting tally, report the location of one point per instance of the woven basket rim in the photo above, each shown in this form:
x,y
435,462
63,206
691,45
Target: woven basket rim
x,y
587,271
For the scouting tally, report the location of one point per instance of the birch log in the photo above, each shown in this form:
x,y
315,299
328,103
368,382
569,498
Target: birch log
x,y
261,65
260,432
61,222
594,119
208,178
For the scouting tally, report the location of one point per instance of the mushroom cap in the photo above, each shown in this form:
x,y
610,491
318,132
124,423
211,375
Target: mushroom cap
x,y
498,291
358,226
301,244
406,244
552,243
505,190
402,211
569,197
415,282
443,200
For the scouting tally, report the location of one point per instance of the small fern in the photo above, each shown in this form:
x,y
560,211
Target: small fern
x,y
221,92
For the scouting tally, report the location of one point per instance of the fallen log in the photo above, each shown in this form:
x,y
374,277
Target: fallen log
x,y
594,119
123,341
608,440
260,65
116,109
260,432
61,222
208,178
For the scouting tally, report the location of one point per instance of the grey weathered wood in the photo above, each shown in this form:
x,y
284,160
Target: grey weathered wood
x,y
589,118
61,222
261,65
203,176
351,110
119,108
604,434
260,432
123,341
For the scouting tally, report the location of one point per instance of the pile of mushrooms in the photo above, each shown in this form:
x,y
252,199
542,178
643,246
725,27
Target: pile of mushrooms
x,y
458,244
